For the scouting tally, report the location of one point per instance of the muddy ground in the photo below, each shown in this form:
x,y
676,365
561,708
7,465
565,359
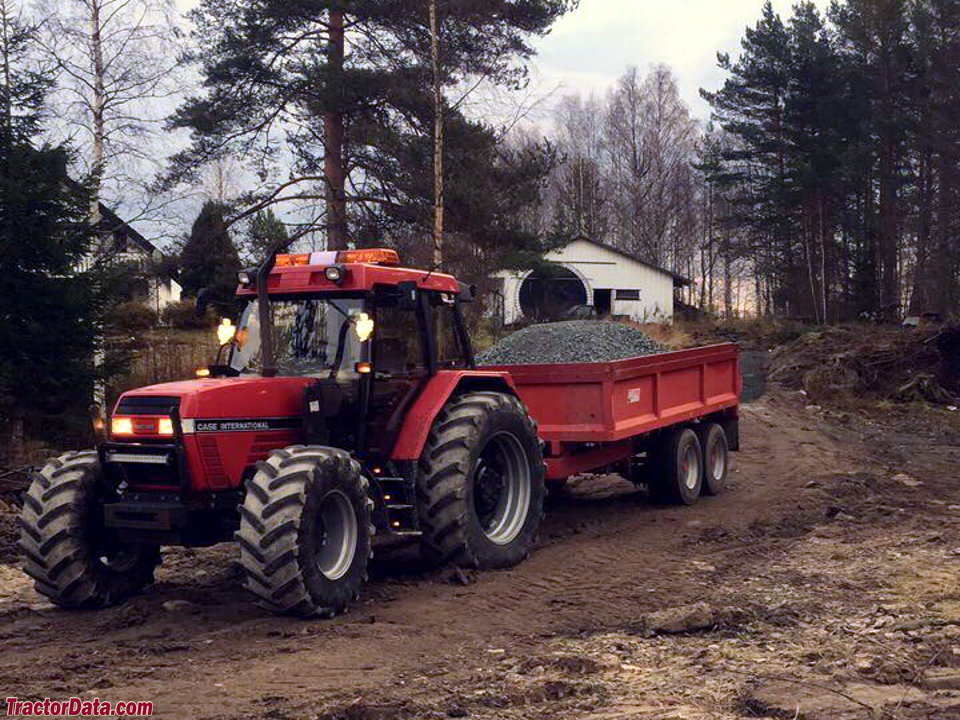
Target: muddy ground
x,y
824,584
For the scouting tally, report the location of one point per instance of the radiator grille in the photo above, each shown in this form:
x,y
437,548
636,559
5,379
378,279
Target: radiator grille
x,y
147,405
210,456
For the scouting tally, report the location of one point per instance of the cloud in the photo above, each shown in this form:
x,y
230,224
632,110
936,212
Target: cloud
x,y
590,47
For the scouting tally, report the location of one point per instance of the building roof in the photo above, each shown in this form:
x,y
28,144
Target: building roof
x,y
112,223
678,280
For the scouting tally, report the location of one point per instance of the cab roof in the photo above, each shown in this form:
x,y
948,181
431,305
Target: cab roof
x,y
362,271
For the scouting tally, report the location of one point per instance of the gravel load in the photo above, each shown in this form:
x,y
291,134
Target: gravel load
x,y
575,341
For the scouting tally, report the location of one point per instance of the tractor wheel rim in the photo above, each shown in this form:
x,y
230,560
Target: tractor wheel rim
x,y
337,537
502,488
121,559
690,467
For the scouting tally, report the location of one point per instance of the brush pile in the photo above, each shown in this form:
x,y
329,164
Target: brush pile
x,y
880,363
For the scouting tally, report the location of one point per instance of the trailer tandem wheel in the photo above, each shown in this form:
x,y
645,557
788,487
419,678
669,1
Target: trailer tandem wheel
x,y
677,476
305,532
716,458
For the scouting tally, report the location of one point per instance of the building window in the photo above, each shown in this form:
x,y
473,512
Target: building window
x,y
628,294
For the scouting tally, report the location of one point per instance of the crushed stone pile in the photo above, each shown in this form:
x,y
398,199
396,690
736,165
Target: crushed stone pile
x,y
575,341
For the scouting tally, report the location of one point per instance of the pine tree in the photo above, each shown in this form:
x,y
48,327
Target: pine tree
x,y
50,310
865,221
263,233
816,137
876,45
935,31
350,119
750,107
209,258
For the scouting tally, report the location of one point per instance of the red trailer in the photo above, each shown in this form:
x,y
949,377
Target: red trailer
x,y
596,415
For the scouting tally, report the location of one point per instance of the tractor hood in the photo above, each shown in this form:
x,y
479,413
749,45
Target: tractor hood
x,y
230,398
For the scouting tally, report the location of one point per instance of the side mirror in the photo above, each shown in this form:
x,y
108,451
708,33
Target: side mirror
x,y
203,300
409,295
468,293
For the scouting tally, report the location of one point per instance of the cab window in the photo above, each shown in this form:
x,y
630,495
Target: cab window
x,y
450,351
397,348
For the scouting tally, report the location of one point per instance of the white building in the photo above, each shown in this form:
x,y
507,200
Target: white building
x,y
586,277
122,244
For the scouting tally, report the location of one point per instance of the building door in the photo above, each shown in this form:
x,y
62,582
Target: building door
x,y
602,301
551,292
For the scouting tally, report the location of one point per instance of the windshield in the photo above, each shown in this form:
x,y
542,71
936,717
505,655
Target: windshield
x,y
310,337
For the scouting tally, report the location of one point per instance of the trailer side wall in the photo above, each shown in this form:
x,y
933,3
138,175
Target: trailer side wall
x,y
611,404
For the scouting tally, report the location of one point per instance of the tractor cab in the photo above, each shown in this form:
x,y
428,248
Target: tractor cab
x,y
367,332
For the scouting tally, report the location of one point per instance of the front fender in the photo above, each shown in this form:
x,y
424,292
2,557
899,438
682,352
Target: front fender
x,y
416,425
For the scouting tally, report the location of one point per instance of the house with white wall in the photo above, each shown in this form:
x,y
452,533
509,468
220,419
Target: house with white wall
x,y
122,244
586,277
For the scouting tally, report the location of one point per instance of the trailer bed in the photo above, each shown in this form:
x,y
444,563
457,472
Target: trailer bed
x,y
592,414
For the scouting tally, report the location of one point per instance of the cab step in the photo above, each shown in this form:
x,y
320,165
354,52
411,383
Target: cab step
x,y
399,510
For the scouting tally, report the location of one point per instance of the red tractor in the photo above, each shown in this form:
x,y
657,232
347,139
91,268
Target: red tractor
x,y
347,403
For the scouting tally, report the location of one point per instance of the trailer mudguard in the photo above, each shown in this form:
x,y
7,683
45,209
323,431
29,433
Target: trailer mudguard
x,y
438,389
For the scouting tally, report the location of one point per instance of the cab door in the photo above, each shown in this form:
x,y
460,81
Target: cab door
x,y
400,367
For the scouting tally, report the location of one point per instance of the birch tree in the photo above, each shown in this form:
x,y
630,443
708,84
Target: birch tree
x,y
651,142
116,62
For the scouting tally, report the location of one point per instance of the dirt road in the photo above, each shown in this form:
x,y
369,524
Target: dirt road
x,y
827,580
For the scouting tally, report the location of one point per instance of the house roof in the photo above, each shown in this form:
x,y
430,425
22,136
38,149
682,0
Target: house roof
x,y
111,222
678,280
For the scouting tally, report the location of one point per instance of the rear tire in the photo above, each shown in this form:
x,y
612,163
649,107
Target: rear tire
x,y
481,484
678,474
305,532
74,560
716,458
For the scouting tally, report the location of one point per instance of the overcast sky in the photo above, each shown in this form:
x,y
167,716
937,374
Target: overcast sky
x,y
590,47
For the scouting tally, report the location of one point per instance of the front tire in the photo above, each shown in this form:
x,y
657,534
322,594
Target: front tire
x,y
305,531
481,485
74,560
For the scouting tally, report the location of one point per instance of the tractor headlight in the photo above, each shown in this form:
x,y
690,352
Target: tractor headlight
x,y
244,277
165,426
226,331
334,273
121,426
363,326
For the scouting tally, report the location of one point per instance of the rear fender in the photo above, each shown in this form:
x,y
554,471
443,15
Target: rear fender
x,y
438,390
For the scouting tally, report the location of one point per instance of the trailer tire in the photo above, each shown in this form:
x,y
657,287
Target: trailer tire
x,y
480,487
305,532
72,558
678,474
716,458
